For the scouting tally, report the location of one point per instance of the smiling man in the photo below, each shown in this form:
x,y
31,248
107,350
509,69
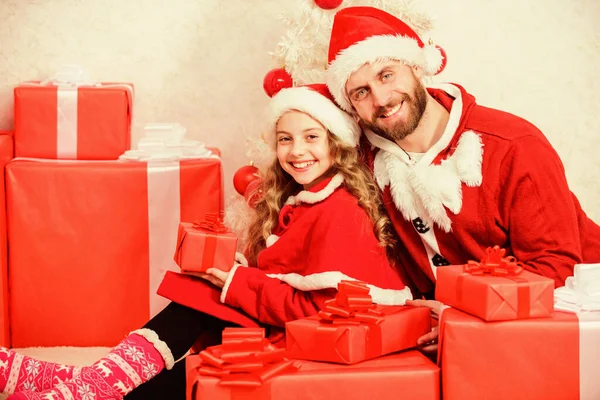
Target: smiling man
x,y
456,177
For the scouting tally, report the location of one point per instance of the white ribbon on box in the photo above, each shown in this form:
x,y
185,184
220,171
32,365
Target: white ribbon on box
x,y
162,147
581,295
68,79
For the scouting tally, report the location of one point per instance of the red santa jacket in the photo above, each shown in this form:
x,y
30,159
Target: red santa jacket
x,y
323,237
492,179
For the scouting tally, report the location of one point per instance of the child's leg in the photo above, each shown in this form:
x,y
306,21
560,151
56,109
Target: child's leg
x,y
169,384
137,359
18,372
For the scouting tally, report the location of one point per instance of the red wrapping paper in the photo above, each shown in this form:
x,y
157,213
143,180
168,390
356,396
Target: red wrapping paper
x,y
101,121
521,359
407,375
6,154
82,246
200,248
401,326
492,297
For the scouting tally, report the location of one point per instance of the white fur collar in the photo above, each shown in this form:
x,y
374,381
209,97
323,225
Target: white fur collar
x,y
425,190
308,197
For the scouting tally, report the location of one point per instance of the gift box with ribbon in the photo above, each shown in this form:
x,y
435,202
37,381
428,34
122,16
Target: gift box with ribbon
x,y
205,244
6,154
553,358
495,289
247,367
351,329
90,242
69,116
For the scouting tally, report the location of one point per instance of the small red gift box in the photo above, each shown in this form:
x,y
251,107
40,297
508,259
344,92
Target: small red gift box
x,y
91,122
245,367
6,154
553,358
204,245
351,329
495,289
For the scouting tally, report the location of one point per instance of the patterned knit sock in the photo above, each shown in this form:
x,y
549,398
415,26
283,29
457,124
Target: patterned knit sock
x,y
137,359
18,372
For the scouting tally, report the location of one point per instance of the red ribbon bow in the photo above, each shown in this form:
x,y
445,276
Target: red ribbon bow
x,y
352,305
494,263
211,222
245,359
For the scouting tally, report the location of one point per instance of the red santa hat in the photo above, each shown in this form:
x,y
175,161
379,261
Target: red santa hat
x,y
365,34
316,101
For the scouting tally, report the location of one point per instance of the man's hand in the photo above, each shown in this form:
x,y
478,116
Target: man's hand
x,y
435,306
429,342
214,276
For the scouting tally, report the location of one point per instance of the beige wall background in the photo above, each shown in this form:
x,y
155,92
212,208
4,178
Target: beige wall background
x,y
202,62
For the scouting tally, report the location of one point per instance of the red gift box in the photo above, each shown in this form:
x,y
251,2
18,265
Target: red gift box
x,y
203,245
407,375
496,289
73,122
6,154
366,332
543,358
90,242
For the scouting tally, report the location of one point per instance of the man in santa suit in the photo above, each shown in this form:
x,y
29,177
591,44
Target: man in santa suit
x,y
456,177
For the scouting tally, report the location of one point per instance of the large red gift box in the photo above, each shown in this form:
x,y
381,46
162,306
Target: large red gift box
x,y
205,244
496,289
352,329
6,154
543,358
408,376
90,242
73,122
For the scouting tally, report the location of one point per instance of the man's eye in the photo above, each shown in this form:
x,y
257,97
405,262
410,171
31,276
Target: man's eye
x,y
386,76
360,94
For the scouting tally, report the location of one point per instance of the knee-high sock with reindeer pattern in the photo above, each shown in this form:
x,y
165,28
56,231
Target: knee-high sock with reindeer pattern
x,y
19,372
137,359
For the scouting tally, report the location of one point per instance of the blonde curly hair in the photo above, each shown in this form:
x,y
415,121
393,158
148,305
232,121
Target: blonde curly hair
x,y
278,185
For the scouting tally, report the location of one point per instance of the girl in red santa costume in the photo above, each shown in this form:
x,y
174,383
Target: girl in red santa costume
x,y
318,222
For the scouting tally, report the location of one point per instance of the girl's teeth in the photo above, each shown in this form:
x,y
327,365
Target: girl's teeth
x,y
303,164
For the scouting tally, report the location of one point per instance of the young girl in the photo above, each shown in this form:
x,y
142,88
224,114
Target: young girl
x,y
318,222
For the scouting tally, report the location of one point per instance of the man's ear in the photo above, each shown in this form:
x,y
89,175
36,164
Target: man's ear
x,y
418,71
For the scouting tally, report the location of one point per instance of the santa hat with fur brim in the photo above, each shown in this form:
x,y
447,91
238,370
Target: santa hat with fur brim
x,y
316,101
365,34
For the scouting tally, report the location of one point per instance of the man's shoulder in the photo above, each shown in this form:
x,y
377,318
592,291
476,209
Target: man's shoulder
x,y
500,124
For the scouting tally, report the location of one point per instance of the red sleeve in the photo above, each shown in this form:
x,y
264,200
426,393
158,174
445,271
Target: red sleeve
x,y
537,207
270,300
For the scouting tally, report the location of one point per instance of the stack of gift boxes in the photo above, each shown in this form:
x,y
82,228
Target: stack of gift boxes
x,y
503,339
500,338
91,225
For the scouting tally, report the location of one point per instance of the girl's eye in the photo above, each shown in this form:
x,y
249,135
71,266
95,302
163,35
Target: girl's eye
x,y
312,137
283,139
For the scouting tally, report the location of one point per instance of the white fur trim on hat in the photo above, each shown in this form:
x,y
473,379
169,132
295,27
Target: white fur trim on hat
x,y
378,48
317,106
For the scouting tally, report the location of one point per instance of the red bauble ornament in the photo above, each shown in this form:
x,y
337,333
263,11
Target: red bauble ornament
x,y
275,80
329,4
254,192
243,177
444,59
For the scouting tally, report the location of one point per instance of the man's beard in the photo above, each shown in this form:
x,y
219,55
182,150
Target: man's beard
x,y
416,107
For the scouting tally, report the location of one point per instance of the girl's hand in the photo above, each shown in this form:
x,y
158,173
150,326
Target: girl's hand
x,y
214,276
